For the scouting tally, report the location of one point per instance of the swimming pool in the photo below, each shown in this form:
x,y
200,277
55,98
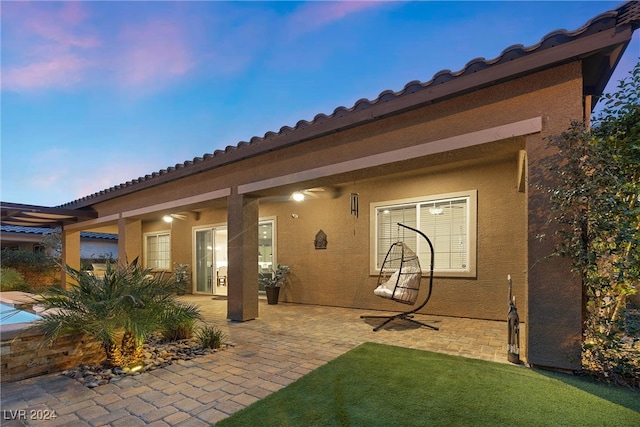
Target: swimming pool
x,y
10,315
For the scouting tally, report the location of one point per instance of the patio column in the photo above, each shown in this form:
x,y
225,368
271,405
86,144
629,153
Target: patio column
x,y
129,240
242,253
70,253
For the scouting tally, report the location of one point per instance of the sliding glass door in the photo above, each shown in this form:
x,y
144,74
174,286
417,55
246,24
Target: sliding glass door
x,y
211,260
266,250
210,256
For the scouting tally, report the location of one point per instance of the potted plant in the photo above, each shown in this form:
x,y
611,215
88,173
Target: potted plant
x,y
181,278
273,283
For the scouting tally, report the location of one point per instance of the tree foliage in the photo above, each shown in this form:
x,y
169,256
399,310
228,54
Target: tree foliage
x,y
37,268
120,310
597,205
12,280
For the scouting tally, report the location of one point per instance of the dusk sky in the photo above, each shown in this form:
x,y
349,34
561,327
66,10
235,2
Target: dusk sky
x,y
94,94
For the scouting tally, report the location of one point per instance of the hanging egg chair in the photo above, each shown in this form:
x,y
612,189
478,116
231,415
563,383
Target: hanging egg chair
x,y
399,280
400,275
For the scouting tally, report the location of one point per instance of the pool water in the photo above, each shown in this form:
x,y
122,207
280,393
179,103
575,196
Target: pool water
x,y
10,315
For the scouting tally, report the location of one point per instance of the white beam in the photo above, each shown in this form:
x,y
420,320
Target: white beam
x,y
524,127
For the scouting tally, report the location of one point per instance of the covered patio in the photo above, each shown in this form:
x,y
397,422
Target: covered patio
x,y
284,343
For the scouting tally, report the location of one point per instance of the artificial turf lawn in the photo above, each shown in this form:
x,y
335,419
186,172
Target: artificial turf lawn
x,y
381,385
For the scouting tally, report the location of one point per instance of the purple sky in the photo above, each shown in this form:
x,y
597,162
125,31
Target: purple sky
x,y
95,94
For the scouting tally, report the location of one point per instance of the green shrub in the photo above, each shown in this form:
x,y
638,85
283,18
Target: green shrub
x,y
126,302
178,322
12,280
178,331
210,337
20,259
595,203
37,268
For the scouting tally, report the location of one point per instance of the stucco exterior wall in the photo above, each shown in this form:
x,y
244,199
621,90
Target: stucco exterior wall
x,y
340,275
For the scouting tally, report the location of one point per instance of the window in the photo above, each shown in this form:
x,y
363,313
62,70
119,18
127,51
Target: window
x,y
448,220
158,251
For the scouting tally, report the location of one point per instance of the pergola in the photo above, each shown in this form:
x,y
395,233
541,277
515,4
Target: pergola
x,y
41,216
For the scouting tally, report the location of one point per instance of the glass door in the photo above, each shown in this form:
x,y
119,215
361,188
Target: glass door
x,y
204,261
266,250
220,260
210,257
211,260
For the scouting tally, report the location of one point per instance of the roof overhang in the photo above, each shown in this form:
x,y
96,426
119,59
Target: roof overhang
x,y
42,216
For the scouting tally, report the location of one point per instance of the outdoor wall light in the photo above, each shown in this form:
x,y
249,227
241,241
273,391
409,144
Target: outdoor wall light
x,y
297,196
167,218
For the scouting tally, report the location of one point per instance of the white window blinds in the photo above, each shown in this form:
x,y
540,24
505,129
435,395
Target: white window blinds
x,y
444,221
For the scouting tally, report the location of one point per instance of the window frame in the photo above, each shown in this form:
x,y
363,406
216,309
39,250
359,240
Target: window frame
x,y
471,220
146,248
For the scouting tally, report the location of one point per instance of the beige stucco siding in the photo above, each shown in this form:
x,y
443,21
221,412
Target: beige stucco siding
x,y
340,275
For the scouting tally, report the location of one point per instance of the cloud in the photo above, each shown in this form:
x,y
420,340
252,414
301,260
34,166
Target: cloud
x,y
152,53
59,71
106,173
46,45
315,15
62,45
62,27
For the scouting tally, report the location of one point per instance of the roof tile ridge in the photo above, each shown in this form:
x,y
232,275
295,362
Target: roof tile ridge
x,y
629,13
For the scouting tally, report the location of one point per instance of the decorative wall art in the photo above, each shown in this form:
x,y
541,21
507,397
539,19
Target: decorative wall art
x,y
321,240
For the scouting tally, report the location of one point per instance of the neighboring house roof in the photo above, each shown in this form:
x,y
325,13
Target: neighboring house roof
x,y
19,230
599,44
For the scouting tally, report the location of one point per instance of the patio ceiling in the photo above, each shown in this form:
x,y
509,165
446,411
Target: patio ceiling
x,y
42,216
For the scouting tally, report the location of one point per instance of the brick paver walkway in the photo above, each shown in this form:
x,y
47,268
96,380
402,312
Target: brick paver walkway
x,y
284,343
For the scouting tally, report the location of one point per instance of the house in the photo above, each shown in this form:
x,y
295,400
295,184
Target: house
x,y
92,245
458,156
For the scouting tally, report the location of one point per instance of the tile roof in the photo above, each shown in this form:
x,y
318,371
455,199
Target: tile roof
x,y
365,110
42,231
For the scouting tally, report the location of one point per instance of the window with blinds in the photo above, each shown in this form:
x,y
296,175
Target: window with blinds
x,y
158,251
448,220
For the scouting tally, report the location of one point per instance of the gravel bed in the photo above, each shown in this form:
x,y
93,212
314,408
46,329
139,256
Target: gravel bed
x,y
156,354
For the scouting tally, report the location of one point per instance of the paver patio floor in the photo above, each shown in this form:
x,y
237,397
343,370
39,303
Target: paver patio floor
x,y
268,353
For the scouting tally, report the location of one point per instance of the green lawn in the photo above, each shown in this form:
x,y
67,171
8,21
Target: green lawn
x,y
380,385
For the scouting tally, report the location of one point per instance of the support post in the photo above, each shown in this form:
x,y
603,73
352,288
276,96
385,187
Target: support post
x,y
129,240
70,253
242,247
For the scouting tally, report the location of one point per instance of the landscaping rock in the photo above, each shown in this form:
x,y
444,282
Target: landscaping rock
x,y
156,353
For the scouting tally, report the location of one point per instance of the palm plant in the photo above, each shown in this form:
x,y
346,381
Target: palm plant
x,y
128,300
